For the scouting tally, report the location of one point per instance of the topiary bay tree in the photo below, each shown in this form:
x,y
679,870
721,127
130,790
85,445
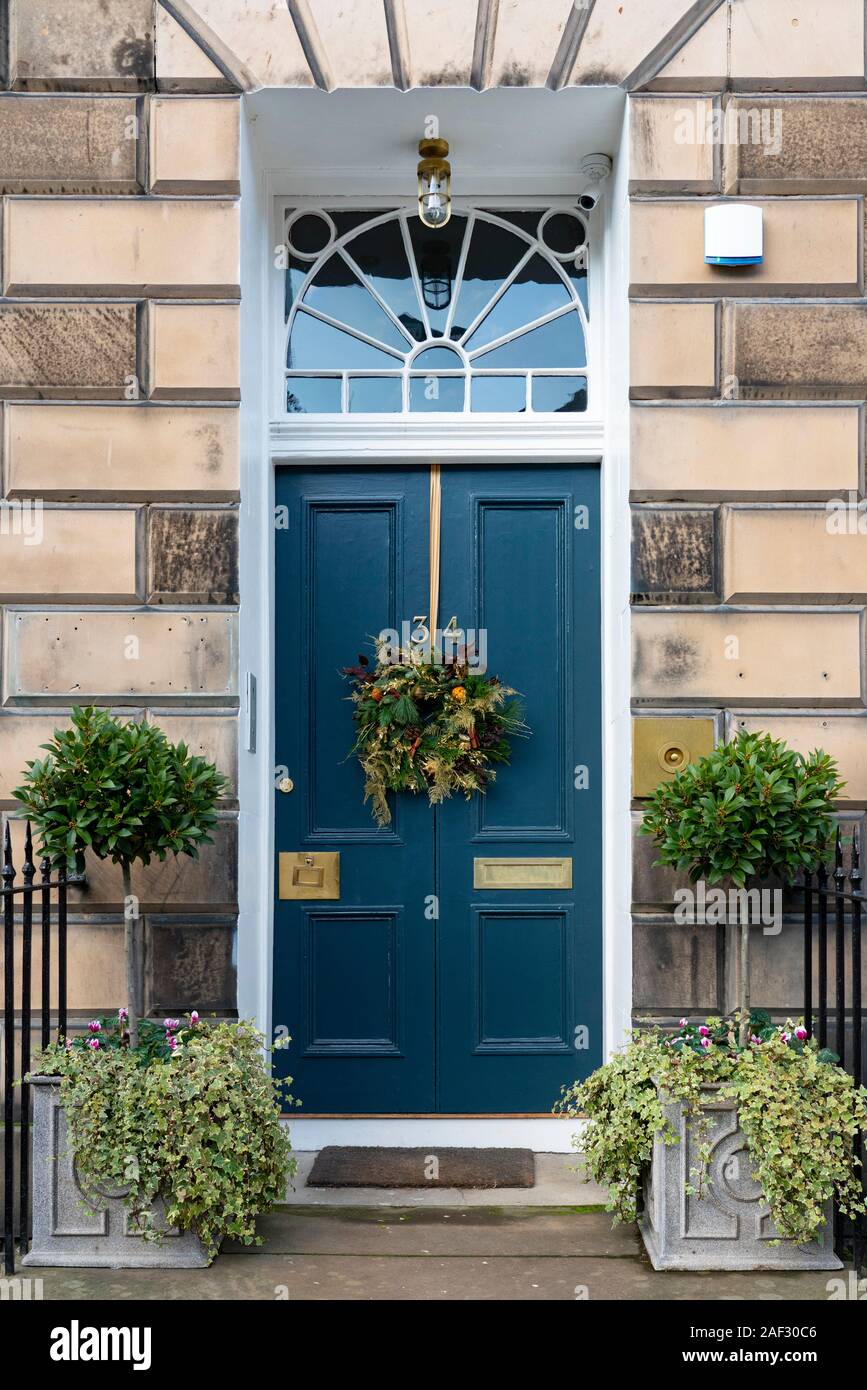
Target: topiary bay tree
x,y
124,792
751,808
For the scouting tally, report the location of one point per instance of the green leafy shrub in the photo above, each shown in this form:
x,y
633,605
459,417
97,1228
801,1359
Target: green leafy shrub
x,y
752,807
191,1115
124,792
800,1113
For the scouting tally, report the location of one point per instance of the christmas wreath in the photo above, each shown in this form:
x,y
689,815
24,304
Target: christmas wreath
x,y
429,725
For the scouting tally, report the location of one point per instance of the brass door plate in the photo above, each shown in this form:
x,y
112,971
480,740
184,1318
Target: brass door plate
x,y
308,875
522,872
661,747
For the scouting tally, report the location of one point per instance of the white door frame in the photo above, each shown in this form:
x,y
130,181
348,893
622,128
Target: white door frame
x,y
309,440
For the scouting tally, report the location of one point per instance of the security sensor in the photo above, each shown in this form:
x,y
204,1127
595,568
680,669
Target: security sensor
x,y
733,234
595,169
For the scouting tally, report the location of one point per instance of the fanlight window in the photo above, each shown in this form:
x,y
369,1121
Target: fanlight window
x,y
488,314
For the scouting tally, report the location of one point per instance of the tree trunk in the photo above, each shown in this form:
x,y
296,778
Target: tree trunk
x,y
132,953
744,1032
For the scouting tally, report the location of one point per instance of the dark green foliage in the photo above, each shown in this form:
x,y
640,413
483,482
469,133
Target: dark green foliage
x,y
121,790
752,807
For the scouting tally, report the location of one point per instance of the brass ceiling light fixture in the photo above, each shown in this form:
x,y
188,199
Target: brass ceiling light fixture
x,y
434,183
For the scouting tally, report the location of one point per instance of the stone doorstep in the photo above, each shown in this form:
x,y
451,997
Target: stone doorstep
x,y
491,1254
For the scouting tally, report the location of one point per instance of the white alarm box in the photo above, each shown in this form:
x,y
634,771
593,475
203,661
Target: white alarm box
x,y
733,234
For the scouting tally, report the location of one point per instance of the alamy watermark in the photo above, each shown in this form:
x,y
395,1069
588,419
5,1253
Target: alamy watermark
x,y
449,644
846,516
700,905
752,125
22,516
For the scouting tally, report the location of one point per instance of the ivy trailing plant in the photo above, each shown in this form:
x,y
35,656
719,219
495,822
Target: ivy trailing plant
x,y
799,1111
432,726
190,1115
751,808
124,792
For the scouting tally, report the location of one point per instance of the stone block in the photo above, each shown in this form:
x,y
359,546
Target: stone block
x,y
811,247
193,556
619,36
792,554
799,350
732,656
672,349
194,351
669,148
194,145
136,451
673,554
701,65
106,47
59,144
354,41
737,450
58,554
78,350
147,246
116,656
191,964
822,149
181,64
674,967
781,45
95,974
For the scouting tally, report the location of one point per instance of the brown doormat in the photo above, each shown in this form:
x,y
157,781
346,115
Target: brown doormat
x,y
337,1166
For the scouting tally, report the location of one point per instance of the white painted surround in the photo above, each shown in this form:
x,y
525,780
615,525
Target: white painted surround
x,y
565,130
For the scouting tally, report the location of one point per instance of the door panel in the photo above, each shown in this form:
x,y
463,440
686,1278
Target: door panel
x,y
518,991
353,979
415,991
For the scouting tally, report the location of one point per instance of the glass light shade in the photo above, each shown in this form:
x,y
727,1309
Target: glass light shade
x,y
434,183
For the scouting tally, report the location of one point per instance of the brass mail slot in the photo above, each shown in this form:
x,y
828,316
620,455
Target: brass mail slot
x,y
305,875
522,873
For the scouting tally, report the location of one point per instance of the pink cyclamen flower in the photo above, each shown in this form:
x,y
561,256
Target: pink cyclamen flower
x,y
757,1041
95,1026
784,1036
704,1032
94,1043
801,1033
69,1044
684,1022
172,1042
122,1015
170,1024
704,1042
194,1018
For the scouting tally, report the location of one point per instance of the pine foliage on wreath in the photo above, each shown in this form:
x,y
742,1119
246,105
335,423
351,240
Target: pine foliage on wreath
x,y
429,726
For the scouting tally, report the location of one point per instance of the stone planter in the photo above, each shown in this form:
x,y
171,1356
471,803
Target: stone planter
x,y
728,1227
67,1232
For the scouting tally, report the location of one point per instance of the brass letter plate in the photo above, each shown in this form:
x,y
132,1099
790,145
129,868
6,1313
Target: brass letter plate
x,y
302,875
522,873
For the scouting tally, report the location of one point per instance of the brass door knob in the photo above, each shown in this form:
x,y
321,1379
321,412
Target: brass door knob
x,y
285,784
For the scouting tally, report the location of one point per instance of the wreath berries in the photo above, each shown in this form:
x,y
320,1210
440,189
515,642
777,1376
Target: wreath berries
x,y
429,726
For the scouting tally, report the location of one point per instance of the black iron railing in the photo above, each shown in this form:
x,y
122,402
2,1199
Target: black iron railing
x,y
832,926
50,895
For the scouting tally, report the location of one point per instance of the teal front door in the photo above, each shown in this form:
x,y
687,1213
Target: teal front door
x,y
460,969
